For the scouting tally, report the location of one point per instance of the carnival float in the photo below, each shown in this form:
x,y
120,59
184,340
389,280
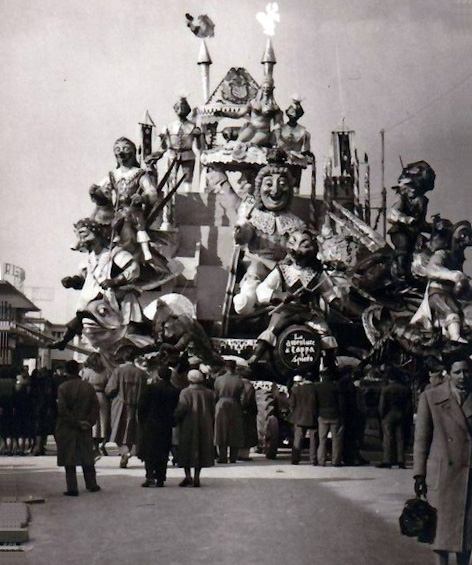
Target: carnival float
x,y
205,247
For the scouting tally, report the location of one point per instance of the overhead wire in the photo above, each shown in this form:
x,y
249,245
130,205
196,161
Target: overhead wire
x,y
431,102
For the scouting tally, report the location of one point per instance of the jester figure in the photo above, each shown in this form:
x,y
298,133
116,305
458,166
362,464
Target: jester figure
x,y
263,227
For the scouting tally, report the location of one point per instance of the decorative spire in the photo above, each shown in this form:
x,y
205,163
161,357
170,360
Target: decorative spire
x,y
268,58
204,56
204,60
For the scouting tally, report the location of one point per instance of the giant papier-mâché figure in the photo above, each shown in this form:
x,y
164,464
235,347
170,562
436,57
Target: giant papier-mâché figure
x,y
105,281
448,284
294,139
263,226
131,193
264,114
294,287
178,140
408,213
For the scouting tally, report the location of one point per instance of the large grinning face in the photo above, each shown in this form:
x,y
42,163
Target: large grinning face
x,y
276,192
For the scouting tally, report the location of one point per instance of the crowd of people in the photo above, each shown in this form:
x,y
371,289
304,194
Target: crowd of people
x,y
28,409
145,412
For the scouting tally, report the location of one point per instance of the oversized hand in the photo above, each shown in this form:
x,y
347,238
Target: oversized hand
x,y
109,283
72,282
243,233
136,200
421,488
67,282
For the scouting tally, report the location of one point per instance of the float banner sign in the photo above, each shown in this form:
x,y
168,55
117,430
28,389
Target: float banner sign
x,y
14,275
299,347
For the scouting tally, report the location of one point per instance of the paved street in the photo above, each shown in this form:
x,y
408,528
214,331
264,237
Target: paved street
x,y
256,513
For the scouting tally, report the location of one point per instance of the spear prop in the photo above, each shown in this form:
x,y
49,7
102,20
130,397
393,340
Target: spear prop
x,y
160,205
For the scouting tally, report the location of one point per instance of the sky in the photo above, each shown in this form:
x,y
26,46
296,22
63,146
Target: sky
x,y
78,75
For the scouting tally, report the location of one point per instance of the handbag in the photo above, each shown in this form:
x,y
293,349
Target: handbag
x,y
418,519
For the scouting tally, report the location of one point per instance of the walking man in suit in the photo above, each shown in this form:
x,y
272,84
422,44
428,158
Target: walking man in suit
x,y
443,459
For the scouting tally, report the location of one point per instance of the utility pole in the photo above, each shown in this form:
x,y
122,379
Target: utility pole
x,y
384,190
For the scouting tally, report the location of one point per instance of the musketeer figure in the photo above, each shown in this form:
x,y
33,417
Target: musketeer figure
x,y
408,214
295,286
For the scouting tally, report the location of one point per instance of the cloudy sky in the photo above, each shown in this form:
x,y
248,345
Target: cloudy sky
x,y
77,75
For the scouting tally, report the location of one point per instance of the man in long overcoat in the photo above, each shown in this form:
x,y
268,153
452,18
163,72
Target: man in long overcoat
x,y
249,407
156,418
196,415
303,407
443,460
125,386
330,410
78,410
394,410
229,430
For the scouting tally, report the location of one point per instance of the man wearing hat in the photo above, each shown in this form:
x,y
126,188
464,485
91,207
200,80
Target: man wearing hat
x,y
330,407
303,406
196,415
78,410
443,459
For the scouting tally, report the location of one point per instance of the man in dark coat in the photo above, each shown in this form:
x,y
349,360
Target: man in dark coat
x,y
303,407
196,415
249,406
330,410
125,386
229,431
443,459
78,410
156,418
394,410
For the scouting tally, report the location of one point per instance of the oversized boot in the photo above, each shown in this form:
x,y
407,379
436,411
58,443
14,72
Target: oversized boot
x,y
61,344
259,351
453,325
143,239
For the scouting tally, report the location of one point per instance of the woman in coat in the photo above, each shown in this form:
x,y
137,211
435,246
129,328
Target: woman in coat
x,y
95,373
196,415
443,460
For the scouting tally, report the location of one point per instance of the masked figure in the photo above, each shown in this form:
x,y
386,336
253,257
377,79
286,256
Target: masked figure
x,y
103,276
